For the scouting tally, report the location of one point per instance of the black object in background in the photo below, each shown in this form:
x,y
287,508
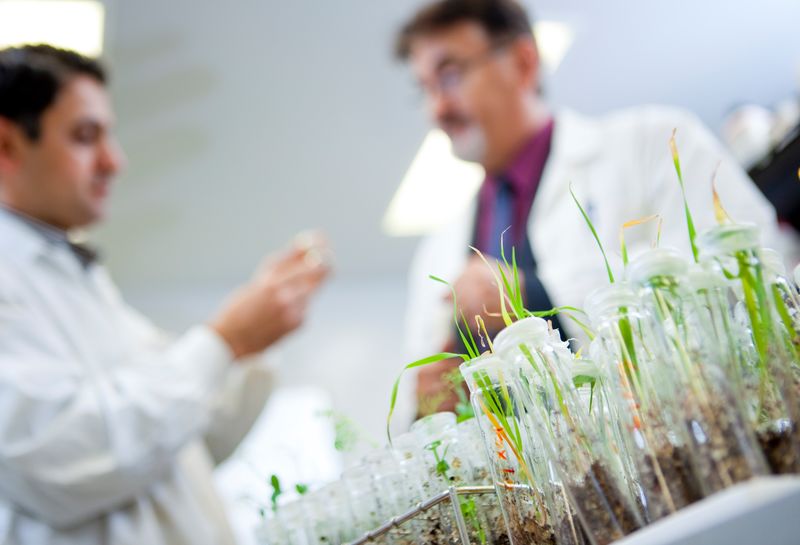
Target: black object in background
x,y
778,178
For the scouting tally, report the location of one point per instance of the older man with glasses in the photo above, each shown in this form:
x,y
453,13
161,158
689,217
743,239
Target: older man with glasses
x,y
478,66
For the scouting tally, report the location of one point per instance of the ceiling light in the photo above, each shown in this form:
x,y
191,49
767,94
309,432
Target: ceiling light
x,y
553,39
436,187
69,24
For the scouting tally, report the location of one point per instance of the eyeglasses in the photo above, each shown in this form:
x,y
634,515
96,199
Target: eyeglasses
x,y
450,77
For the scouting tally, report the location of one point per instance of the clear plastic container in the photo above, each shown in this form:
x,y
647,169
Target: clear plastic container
x,y
294,516
641,389
532,499
583,459
448,465
394,495
471,440
430,526
368,510
329,513
723,450
271,531
770,374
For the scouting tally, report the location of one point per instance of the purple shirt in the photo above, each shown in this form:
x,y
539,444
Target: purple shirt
x,y
523,174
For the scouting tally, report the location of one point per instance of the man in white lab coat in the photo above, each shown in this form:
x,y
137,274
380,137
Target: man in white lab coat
x,y
105,423
478,66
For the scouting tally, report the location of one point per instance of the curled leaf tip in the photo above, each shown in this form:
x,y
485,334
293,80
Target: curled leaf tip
x,y
629,224
672,145
720,214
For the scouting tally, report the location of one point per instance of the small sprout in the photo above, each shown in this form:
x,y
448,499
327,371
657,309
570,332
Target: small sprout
x,y
347,434
442,467
301,489
275,483
463,410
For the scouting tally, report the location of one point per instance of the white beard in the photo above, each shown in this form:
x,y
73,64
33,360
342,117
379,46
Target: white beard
x,y
470,144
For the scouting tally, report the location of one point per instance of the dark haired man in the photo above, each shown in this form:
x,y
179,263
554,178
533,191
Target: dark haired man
x,y
478,65
101,417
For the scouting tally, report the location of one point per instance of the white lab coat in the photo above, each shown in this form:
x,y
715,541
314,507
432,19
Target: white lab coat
x,y
101,418
621,169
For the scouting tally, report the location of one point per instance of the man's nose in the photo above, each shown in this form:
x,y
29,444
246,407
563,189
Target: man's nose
x,y
440,105
112,158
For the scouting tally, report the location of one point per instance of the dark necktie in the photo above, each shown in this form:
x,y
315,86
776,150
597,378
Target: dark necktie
x,y
517,237
502,219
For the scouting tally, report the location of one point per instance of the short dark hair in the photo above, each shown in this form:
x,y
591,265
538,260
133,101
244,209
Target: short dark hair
x,y
501,19
31,77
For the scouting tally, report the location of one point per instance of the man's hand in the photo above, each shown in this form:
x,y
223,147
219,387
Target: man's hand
x,y
477,293
273,303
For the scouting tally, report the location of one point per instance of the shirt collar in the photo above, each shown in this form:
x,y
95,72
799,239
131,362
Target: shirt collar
x,y
27,237
520,172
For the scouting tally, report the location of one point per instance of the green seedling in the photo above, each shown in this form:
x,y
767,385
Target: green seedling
x,y
594,234
275,484
467,339
347,433
625,329
468,507
689,220
463,410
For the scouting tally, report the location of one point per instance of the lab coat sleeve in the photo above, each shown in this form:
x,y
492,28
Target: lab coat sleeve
x,y
77,444
237,405
428,317
241,395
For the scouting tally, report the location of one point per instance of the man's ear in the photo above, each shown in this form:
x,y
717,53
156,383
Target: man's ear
x,y
10,146
526,57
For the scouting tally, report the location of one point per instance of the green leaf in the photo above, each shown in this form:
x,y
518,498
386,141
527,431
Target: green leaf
x,y
464,412
503,310
581,380
275,483
301,488
568,312
419,363
689,221
467,339
594,234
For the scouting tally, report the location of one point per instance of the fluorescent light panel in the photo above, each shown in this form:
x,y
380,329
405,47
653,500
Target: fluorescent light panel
x,y
553,39
69,24
438,186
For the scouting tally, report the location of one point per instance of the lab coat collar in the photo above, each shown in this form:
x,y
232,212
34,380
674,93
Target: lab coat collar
x,y
576,139
25,244
19,240
576,143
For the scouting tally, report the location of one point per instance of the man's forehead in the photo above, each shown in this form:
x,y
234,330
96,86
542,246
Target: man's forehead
x,y
461,39
83,97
